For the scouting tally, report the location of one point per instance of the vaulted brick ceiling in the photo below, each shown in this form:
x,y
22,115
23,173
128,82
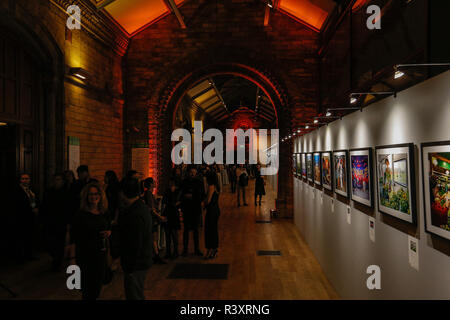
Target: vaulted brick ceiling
x,y
133,15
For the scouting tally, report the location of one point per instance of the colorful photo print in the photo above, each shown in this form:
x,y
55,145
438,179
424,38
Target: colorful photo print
x,y
436,179
294,163
309,167
299,165
360,164
326,171
340,163
304,165
395,181
316,168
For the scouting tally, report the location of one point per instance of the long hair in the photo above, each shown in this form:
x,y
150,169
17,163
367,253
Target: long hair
x,y
112,178
103,203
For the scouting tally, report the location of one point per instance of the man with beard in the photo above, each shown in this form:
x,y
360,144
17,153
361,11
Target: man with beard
x,y
192,195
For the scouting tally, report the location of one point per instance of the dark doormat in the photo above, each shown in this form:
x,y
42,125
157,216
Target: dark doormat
x,y
263,221
199,271
269,253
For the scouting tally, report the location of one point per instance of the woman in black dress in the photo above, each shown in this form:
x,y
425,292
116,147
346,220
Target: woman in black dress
x,y
259,185
212,216
91,229
171,203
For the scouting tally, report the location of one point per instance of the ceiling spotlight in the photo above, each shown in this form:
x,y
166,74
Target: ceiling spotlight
x,y
294,134
307,127
398,74
316,121
298,130
328,114
269,4
353,100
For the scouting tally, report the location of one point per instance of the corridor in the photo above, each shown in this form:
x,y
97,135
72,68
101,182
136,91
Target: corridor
x,y
295,274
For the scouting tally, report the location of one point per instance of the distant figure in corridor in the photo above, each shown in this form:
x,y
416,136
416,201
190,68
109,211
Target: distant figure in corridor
x,y
136,249
232,175
26,209
171,202
212,217
259,184
242,183
91,229
192,195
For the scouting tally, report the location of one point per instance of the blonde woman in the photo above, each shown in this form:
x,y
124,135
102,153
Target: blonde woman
x,y
91,229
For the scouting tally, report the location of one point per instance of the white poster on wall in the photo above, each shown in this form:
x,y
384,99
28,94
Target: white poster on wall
x,y
140,160
74,153
349,215
372,229
413,249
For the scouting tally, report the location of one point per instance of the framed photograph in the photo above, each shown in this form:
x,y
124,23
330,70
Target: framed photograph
x,y
309,167
299,165
436,187
395,181
340,168
327,168
294,163
361,176
316,168
303,156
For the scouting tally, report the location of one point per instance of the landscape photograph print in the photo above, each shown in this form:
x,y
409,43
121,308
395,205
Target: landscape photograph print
x,y
436,184
395,181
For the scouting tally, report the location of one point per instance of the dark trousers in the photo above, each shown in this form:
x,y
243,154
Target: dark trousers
x,y
186,238
239,193
134,284
260,197
92,276
211,231
233,186
171,238
56,240
24,232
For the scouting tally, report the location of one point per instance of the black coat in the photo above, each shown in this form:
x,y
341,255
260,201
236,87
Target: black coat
x,y
171,209
136,241
192,207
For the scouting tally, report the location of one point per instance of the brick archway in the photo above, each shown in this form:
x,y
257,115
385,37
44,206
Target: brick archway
x,y
171,98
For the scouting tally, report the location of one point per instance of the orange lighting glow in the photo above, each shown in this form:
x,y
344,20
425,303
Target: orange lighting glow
x,y
305,11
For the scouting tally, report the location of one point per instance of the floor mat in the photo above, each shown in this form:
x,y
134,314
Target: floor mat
x,y
199,271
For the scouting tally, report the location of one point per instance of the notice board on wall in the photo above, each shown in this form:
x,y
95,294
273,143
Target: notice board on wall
x,y
140,160
73,153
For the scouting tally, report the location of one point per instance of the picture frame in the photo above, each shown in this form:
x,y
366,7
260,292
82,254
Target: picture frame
x,y
395,180
341,173
299,165
294,164
361,188
309,167
317,168
436,187
326,163
303,158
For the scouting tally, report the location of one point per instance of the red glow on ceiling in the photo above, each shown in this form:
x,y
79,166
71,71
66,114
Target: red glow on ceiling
x,y
306,11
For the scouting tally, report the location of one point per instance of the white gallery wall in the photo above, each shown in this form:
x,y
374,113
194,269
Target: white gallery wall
x,y
418,114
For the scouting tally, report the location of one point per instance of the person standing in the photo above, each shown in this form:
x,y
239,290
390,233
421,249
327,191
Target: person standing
x,y
90,230
55,218
26,209
136,249
259,184
233,179
192,195
212,217
170,212
242,183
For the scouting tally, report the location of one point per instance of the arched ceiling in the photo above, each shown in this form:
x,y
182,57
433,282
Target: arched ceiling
x,y
135,15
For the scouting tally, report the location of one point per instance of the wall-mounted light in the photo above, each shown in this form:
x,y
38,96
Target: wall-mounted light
x,y
2,124
80,73
353,100
269,3
398,74
316,121
307,127
328,114
298,130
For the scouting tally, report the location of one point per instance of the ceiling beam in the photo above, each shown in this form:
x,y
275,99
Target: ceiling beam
x,y
173,7
104,4
218,93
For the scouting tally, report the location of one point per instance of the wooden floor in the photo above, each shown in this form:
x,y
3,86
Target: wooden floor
x,y
295,274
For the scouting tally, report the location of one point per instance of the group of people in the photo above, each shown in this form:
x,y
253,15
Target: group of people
x,y
95,225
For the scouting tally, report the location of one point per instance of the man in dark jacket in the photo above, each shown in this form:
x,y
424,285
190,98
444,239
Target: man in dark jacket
x,y
135,229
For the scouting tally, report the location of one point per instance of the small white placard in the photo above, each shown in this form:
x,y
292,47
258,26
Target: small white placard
x,y
332,204
413,249
321,197
372,229
349,215
314,193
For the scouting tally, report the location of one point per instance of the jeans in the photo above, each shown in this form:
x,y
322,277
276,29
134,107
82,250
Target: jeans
x,y
134,285
239,193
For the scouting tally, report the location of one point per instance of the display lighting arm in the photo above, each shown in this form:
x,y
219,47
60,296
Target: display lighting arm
x,y
438,64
